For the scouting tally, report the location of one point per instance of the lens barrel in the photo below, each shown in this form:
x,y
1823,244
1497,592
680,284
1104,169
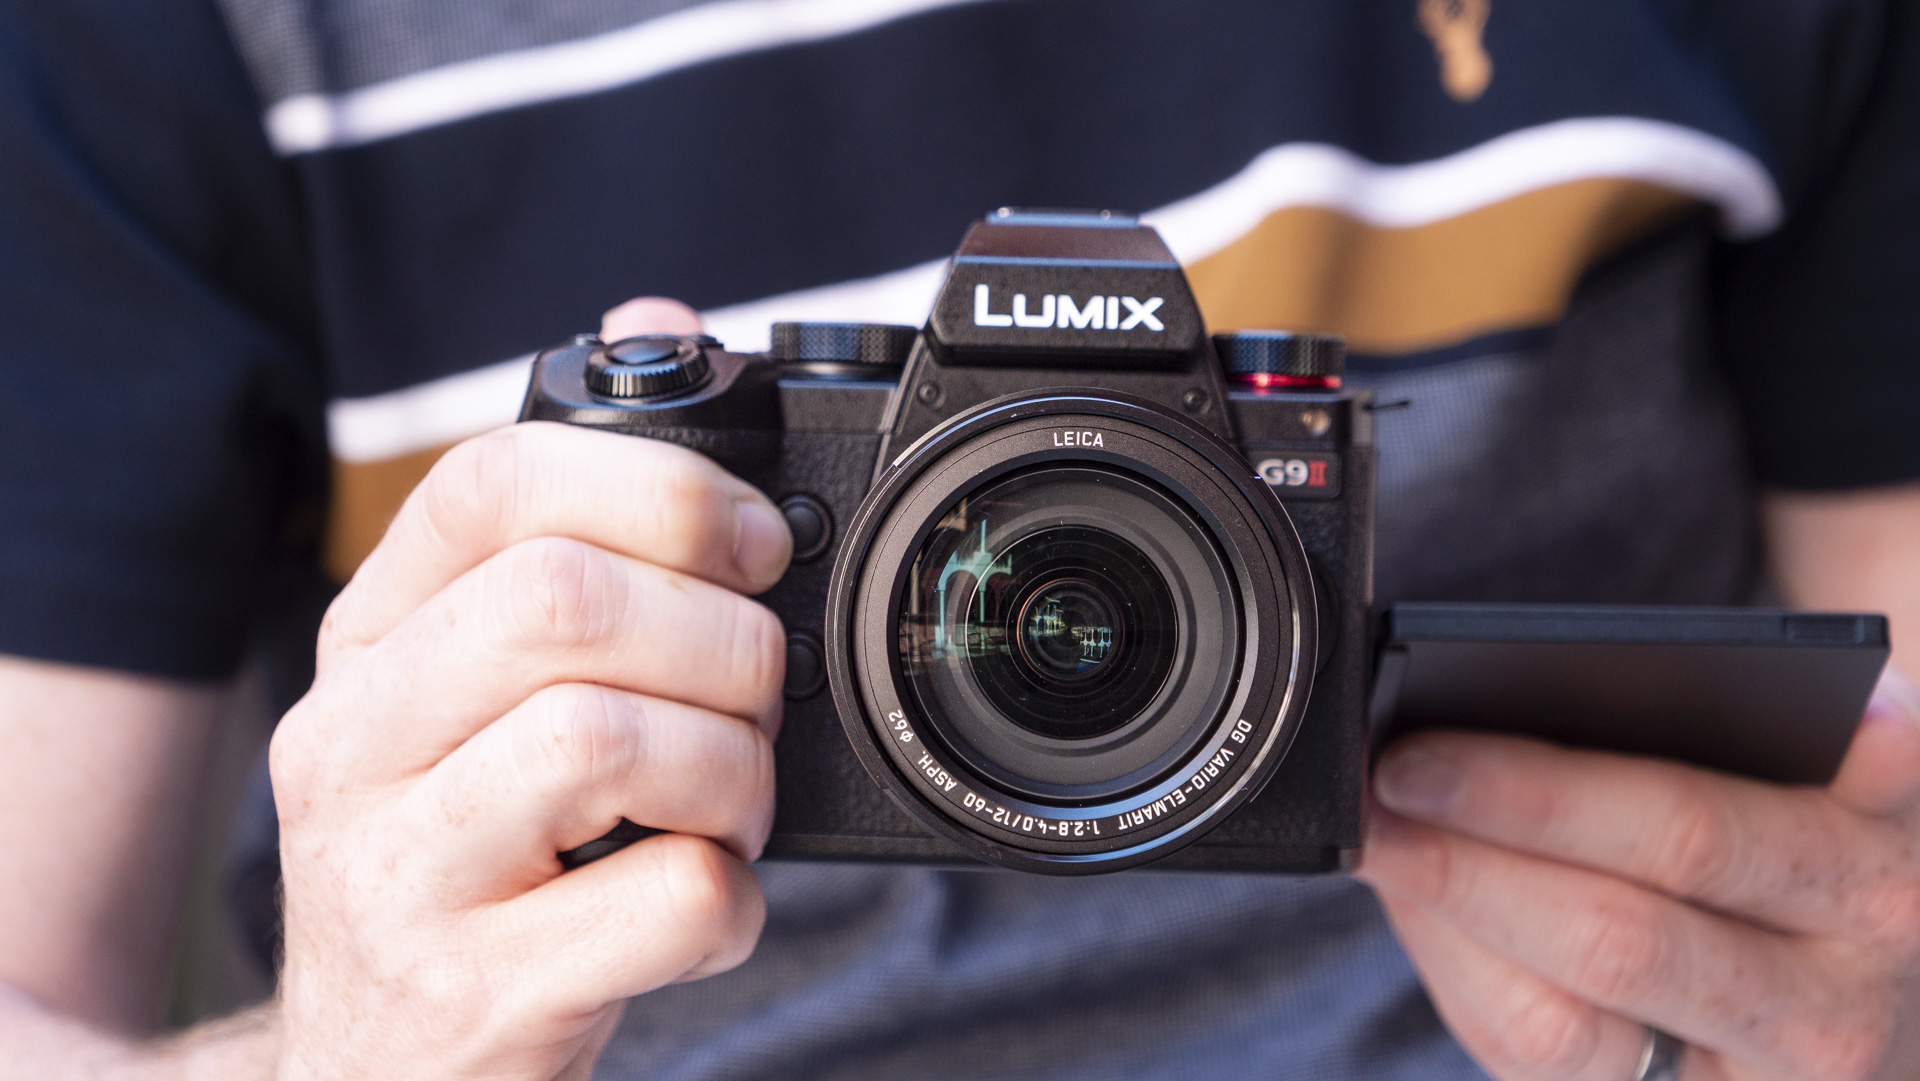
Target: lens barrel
x,y
1071,634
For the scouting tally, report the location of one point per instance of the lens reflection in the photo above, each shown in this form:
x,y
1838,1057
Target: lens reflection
x,y
1068,631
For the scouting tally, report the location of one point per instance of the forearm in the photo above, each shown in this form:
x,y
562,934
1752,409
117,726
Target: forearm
x,y
37,1044
114,761
1855,550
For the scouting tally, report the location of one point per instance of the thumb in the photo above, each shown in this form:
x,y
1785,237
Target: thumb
x,y
648,315
1881,773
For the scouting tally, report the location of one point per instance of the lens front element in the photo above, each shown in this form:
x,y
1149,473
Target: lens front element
x,y
1069,633
1068,630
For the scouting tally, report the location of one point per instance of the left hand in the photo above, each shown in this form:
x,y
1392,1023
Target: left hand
x,y
1555,902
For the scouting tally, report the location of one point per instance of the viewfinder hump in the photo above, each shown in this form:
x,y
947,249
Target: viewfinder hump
x,y
1062,284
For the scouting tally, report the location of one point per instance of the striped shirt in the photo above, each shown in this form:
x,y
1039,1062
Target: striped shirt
x,y
264,260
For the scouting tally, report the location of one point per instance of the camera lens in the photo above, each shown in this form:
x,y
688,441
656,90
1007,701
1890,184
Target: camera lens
x,y
1069,630
1070,633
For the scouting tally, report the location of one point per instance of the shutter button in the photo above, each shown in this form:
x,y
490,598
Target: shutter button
x,y
650,366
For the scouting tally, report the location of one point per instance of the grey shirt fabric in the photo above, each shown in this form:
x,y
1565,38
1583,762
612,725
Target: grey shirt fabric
x,y
1605,464
867,972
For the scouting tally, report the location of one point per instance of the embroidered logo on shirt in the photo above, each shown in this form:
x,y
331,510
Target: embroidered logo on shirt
x,y
1456,27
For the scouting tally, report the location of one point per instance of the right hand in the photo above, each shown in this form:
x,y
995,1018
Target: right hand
x,y
550,637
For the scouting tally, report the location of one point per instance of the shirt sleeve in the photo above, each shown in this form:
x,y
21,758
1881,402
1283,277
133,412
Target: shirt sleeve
x,y
1820,328
161,440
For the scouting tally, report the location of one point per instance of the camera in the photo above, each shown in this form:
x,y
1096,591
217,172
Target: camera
x,y
1076,587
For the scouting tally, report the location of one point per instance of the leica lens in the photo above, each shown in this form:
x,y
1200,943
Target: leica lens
x,y
1070,633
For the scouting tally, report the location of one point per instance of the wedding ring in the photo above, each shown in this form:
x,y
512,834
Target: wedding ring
x,y
1660,1057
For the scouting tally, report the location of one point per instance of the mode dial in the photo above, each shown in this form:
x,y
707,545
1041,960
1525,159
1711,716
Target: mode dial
x,y
876,344
650,366
1282,358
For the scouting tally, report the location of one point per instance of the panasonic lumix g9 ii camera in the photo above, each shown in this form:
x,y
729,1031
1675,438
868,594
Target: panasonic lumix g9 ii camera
x,y
1075,587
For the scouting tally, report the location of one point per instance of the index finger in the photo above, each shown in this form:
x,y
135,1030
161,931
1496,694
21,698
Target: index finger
x,y
642,498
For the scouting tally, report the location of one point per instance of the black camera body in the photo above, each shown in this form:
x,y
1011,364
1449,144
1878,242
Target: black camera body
x,y
1076,587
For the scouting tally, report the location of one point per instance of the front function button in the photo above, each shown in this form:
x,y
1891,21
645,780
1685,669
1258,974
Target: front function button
x,y
806,666
811,525
650,366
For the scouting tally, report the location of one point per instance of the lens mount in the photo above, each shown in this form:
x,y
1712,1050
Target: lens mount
x,y
1071,632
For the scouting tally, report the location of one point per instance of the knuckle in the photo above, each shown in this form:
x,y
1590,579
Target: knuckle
x,y
333,637
1623,953
445,985
465,484
301,754
1890,912
476,486
699,881
680,478
1546,1034
290,763
579,733
1701,851
558,594
680,490
738,945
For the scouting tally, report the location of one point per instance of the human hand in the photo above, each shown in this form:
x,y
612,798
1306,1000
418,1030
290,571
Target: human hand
x,y
550,637
1557,901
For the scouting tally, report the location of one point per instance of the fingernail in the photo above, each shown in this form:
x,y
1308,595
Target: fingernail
x,y
1384,831
1418,782
1896,695
760,548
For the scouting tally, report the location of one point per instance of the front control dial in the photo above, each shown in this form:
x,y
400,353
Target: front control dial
x,y
874,345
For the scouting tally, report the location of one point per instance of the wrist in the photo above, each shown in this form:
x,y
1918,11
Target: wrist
x,y
243,1047
43,1045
